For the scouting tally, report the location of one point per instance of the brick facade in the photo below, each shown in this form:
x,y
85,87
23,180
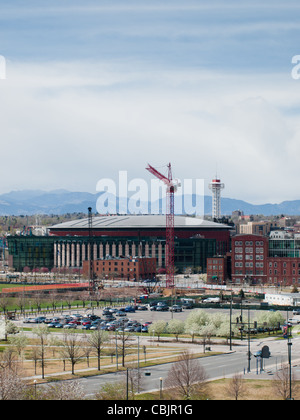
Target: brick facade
x,y
138,268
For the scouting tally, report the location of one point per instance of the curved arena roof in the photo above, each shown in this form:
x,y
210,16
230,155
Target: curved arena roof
x,y
138,221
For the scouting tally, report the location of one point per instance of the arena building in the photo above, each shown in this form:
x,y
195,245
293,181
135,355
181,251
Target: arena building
x,y
69,244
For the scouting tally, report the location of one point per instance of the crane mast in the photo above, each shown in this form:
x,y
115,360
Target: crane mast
x,y
169,250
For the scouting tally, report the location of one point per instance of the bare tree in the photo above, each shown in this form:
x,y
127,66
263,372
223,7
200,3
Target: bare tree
x,y
42,332
71,348
125,340
236,387
4,302
283,384
38,300
186,378
21,302
8,358
96,340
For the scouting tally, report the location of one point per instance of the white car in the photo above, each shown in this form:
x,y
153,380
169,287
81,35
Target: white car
x,y
294,321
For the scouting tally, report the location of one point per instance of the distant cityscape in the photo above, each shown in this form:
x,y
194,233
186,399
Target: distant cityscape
x,y
235,248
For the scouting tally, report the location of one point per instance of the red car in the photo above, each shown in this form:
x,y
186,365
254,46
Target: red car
x,y
74,322
86,322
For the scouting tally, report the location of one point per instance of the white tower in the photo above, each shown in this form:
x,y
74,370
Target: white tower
x,y
216,186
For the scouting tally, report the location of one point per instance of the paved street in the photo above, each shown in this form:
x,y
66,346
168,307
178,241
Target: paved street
x,y
217,366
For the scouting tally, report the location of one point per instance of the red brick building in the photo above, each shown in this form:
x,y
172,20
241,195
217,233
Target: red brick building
x,y
283,271
217,270
138,268
249,255
251,263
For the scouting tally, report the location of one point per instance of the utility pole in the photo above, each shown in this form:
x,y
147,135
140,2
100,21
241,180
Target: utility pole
x,y
290,362
249,353
230,328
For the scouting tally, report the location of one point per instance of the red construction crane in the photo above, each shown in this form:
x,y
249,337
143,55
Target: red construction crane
x,y
169,251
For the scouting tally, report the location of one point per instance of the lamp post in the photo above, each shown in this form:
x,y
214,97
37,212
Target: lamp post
x,y
160,388
249,353
34,382
230,327
290,363
127,384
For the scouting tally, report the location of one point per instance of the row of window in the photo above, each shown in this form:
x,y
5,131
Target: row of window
x,y
274,280
283,264
115,269
116,263
248,257
248,250
215,267
249,243
249,264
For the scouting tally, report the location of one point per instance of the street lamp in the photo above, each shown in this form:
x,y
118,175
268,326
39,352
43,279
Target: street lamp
x,y
160,388
290,363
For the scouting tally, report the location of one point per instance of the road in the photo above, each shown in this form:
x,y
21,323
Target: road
x,y
217,366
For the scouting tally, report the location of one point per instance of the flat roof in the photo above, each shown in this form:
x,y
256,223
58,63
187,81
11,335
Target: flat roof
x,y
138,221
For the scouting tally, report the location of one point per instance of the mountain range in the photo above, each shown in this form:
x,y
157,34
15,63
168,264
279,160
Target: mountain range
x,y
30,202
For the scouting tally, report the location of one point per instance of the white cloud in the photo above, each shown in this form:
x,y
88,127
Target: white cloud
x,y
67,125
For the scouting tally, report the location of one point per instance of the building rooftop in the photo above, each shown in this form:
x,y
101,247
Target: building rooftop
x,y
138,221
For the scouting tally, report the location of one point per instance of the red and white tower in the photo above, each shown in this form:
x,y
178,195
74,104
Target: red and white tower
x,y
216,186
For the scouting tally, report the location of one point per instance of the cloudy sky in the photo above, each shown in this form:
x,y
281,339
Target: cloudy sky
x,y
97,87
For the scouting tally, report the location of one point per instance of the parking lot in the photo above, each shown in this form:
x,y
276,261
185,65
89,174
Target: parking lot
x,y
129,319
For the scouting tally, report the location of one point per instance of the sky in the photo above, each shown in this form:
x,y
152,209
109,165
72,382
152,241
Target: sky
x,y
92,88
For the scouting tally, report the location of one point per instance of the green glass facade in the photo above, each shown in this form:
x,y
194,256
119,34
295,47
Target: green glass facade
x,y
38,251
289,247
31,251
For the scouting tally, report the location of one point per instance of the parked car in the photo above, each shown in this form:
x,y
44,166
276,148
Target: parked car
x,y
74,322
129,328
95,325
187,306
121,313
77,316
162,307
111,327
129,309
70,326
144,328
93,317
106,311
296,312
176,308
29,320
109,318
53,324
142,308
39,319
86,327
86,321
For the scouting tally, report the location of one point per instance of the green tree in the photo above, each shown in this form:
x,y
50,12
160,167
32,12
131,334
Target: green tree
x,y
158,328
176,327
